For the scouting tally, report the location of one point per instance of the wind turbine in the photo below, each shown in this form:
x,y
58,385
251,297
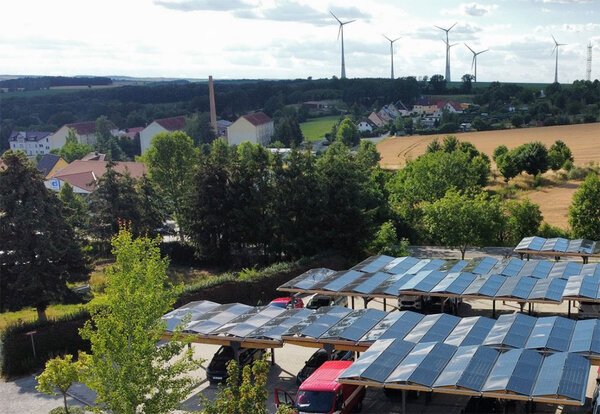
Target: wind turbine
x,y
447,77
392,51
474,62
556,45
341,32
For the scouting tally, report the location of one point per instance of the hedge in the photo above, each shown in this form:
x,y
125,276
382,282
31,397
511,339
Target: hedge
x,y
61,336
52,337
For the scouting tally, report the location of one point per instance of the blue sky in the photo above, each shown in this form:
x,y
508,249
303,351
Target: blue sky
x,y
297,38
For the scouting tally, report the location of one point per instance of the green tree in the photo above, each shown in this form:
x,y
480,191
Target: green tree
x,y
387,242
459,220
45,254
288,132
60,374
241,397
467,83
347,133
498,151
523,220
106,142
170,161
128,372
532,158
584,211
198,128
151,207
517,120
558,154
434,146
450,143
368,156
508,165
75,209
72,150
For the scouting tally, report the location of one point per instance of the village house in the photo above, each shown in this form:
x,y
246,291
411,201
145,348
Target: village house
x,y
256,128
176,123
31,143
85,131
50,164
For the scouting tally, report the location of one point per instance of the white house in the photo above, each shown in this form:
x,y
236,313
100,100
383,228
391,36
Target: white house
x,y
366,125
85,131
176,123
30,142
256,128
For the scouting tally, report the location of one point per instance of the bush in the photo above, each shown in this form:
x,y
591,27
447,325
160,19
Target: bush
x,y
72,410
52,338
547,231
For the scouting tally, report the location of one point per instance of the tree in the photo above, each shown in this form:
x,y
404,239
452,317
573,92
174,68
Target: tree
x,y
498,151
558,154
437,84
532,158
106,142
450,143
347,133
288,132
75,209
434,146
151,207
523,220
198,128
60,374
517,120
170,161
44,253
72,150
459,220
387,242
245,397
127,370
508,165
584,211
467,83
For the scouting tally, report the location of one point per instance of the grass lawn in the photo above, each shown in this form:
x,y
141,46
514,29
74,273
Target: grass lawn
x,y
30,314
316,128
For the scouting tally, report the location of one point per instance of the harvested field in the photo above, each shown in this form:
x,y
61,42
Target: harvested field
x,y
583,139
554,202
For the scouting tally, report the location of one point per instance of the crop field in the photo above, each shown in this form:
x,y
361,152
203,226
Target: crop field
x,y
554,199
316,128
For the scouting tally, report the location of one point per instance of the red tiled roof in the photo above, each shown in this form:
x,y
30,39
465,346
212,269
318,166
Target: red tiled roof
x,y
176,123
88,127
79,171
130,132
257,118
455,106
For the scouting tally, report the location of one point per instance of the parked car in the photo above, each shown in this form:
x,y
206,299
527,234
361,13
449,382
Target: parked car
x,y
321,393
595,400
319,358
409,302
217,368
288,302
589,310
319,300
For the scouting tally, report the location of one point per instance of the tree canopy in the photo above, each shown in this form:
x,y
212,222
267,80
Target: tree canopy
x,y
584,212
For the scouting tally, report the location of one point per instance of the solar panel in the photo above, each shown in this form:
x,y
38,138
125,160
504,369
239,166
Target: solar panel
x,y
370,284
373,264
491,285
573,286
361,364
241,319
538,338
470,331
429,281
523,287
478,368
589,287
308,320
279,325
510,330
423,364
536,268
394,263
485,266
524,375
506,290
218,317
556,244
432,328
502,370
434,264
309,278
574,246
560,337
595,345
418,266
581,341
355,325
395,325
413,281
453,266
196,310
342,279
590,269
563,375
320,326
402,266
513,267
455,283
456,367
387,361
556,290
253,323
531,243
587,246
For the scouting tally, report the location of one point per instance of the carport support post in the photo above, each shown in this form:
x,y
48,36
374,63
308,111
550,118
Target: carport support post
x,y
236,350
366,300
329,348
272,356
493,309
403,401
569,314
352,297
384,305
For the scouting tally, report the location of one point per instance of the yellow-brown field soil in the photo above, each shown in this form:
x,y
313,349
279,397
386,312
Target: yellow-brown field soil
x,y
582,139
554,202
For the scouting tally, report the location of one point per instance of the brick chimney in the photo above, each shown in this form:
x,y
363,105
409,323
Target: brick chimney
x,y
213,110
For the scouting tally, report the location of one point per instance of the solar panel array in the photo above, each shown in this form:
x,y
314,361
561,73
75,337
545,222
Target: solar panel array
x,y
477,370
558,246
506,279
361,328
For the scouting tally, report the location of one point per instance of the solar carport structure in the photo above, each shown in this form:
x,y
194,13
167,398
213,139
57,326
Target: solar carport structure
x,y
475,370
558,247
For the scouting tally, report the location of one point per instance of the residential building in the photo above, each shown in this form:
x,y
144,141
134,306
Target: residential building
x,y
376,119
424,106
176,123
222,126
85,131
366,125
50,164
130,132
31,143
84,175
94,156
257,128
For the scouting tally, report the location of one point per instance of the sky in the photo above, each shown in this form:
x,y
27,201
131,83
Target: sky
x,y
289,39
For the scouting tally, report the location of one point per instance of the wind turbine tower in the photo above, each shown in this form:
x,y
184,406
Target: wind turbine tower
x,y
448,46
588,69
474,61
341,33
556,45
392,51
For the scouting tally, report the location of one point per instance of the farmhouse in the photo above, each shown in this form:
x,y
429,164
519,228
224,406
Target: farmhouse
x,y
256,128
366,125
176,123
31,142
84,175
85,131
50,164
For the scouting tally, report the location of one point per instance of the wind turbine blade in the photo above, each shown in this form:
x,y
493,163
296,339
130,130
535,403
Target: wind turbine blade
x,y
398,38
473,62
554,39
441,28
340,31
387,38
335,17
483,51
472,51
348,22
551,53
452,26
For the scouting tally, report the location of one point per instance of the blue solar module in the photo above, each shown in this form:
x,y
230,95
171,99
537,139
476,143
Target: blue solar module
x,y
402,266
309,278
536,268
410,283
455,283
456,367
540,334
502,370
484,266
470,331
556,244
572,269
512,268
563,375
342,280
369,285
590,269
574,246
587,246
401,327
478,368
391,286
423,364
540,289
523,287
556,290
510,330
573,286
430,281
432,328
531,243
418,266
361,364
217,317
589,287
434,264
320,326
356,325
387,361
506,290
453,266
248,326
514,371
308,320
373,264
491,285
561,334
581,341
279,326
476,285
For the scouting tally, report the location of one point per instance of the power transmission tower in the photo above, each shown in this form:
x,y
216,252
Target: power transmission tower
x,y
588,70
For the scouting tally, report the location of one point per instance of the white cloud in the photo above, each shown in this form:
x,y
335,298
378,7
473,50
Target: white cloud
x,y
197,5
476,9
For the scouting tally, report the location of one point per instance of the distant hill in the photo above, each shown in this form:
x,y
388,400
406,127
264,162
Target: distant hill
x,y
45,82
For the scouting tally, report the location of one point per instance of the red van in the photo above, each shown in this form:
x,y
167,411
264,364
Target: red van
x,y
320,393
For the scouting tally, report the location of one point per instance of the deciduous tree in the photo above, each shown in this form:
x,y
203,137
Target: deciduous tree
x,y
584,212
60,374
347,133
558,154
73,149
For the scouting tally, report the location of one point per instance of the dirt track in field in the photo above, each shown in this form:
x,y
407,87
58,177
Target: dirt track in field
x,y
554,201
583,139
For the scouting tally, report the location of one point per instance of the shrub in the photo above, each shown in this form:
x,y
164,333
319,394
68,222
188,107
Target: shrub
x,y
72,410
547,231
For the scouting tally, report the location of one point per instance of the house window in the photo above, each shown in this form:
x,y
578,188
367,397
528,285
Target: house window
x,y
46,139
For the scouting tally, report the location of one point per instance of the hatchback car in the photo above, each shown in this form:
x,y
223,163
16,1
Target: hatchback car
x,y
217,368
319,358
288,303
